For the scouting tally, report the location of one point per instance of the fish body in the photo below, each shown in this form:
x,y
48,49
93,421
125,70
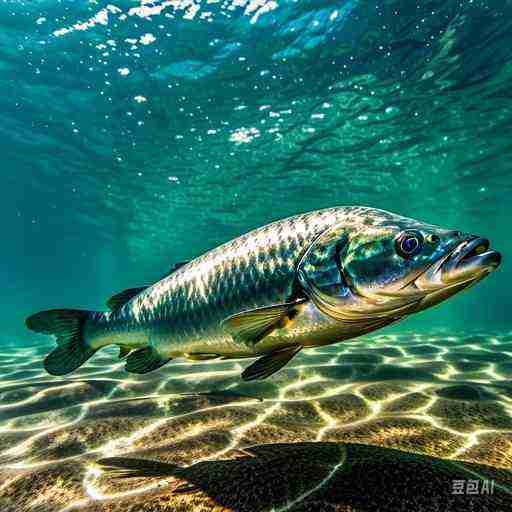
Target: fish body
x,y
183,313
308,280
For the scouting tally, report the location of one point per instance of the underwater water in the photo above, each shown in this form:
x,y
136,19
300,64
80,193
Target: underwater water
x,y
137,134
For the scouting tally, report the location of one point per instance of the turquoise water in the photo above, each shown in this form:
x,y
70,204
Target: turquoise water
x,y
139,134
396,105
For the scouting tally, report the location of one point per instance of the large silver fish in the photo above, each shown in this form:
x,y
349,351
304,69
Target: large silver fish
x,y
309,280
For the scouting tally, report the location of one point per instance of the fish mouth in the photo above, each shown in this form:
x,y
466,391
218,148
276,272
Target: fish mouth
x,y
471,259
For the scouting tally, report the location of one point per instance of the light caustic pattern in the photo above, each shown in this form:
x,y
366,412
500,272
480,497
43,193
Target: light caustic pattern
x,y
435,395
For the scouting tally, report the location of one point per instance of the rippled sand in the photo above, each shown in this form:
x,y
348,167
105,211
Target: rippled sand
x,y
386,423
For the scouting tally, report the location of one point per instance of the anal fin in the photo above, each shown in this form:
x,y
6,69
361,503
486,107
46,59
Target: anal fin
x,y
270,363
144,360
252,326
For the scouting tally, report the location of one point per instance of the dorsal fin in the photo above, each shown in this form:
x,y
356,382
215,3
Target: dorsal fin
x,y
118,300
175,267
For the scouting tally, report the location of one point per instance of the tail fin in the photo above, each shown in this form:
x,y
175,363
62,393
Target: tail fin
x,y
120,467
67,326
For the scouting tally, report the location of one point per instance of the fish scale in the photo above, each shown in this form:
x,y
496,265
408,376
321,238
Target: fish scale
x,y
183,312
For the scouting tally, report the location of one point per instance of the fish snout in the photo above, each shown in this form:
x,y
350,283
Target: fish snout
x,y
470,259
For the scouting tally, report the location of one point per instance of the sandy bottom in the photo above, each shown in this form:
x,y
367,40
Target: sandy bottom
x,y
386,423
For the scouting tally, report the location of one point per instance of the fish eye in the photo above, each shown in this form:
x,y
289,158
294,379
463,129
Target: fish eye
x,y
409,243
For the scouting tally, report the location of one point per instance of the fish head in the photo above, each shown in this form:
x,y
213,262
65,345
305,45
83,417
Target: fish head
x,y
397,262
377,271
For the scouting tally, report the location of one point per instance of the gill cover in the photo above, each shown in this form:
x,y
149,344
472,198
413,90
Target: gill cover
x,y
320,272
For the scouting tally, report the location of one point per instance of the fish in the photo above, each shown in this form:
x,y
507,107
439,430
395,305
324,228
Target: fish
x,y
306,281
316,475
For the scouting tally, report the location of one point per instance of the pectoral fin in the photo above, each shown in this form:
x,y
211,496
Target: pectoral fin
x,y
251,326
269,363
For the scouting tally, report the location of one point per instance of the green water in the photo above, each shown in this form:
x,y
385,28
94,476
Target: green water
x,y
399,105
134,135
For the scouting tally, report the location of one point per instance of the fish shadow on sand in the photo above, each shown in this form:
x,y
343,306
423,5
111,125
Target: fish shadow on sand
x,y
329,476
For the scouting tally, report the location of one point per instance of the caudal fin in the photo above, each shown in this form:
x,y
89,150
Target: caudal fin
x,y
124,467
67,326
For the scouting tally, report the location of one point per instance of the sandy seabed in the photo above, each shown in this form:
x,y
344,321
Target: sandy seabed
x,y
385,423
